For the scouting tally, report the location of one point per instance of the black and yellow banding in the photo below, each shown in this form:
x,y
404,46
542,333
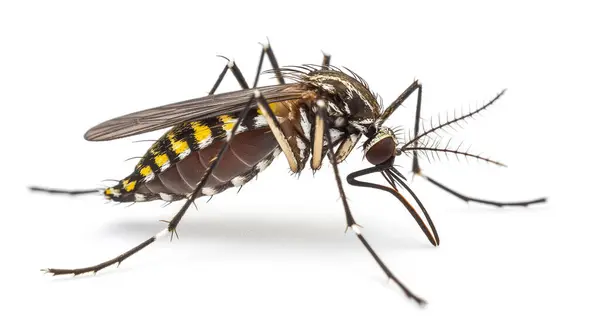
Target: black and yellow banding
x,y
174,146
227,122
200,133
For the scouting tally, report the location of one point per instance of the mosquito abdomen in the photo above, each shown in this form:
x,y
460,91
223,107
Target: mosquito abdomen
x,y
249,153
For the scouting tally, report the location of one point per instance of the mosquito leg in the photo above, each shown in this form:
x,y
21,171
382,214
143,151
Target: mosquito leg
x,y
237,73
65,192
401,98
220,78
416,168
269,51
350,222
482,201
278,133
172,227
326,60
198,190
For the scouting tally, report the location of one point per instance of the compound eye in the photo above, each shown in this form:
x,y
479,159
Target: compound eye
x,y
380,150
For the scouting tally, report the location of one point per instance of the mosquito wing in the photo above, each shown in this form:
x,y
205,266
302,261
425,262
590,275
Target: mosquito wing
x,y
190,110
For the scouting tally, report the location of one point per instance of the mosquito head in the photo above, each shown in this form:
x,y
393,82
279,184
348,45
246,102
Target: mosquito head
x,y
380,145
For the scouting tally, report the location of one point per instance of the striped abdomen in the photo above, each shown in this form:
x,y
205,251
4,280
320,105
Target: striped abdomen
x,y
176,163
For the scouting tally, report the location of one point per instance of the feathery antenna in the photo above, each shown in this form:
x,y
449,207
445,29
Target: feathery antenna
x,y
448,123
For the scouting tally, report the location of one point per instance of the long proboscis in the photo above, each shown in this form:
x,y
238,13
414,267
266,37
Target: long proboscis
x,y
393,176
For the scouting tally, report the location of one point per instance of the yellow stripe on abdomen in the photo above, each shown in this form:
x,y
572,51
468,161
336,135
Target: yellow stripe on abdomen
x,y
274,107
178,146
201,131
161,160
146,171
228,122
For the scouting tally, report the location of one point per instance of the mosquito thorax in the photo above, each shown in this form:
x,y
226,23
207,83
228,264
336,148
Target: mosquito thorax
x,y
346,95
381,147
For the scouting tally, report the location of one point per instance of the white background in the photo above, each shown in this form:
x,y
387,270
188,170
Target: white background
x,y
274,259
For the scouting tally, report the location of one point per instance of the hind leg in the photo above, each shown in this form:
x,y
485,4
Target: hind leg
x,y
65,192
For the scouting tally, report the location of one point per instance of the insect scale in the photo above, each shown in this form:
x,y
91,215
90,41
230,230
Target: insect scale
x,y
223,140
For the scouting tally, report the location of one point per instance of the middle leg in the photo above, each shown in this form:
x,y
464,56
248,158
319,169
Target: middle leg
x,y
231,66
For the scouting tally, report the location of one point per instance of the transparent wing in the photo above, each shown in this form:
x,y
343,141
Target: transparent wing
x,y
189,110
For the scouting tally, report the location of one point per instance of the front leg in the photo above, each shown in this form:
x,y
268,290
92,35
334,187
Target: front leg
x,y
350,222
416,168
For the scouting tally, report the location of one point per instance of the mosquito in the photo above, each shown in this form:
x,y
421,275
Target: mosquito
x,y
221,141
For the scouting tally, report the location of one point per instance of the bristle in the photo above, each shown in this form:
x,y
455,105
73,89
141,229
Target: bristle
x,y
435,147
432,129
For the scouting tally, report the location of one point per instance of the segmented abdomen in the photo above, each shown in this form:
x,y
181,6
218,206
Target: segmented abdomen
x,y
176,163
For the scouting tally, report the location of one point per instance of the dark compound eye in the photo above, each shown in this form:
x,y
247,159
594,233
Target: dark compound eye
x,y
381,150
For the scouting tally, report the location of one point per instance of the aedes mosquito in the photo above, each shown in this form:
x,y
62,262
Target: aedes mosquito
x,y
224,140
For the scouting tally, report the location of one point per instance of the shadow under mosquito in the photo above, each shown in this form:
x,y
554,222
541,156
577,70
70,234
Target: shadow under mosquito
x,y
292,232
